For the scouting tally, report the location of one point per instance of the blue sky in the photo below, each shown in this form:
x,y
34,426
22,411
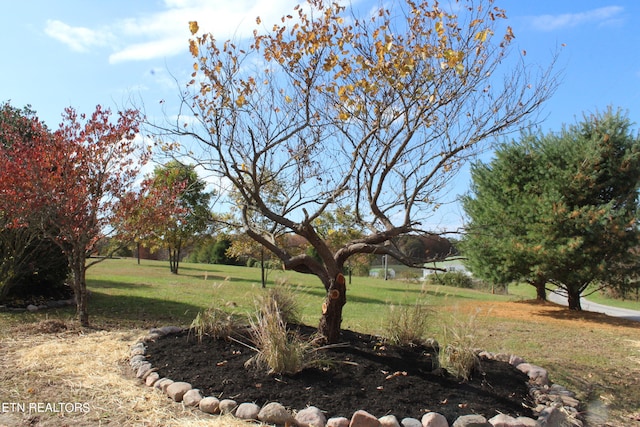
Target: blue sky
x,y
79,53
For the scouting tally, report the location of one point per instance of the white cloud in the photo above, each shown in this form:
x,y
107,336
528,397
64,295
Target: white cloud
x,y
149,50
600,16
165,33
79,39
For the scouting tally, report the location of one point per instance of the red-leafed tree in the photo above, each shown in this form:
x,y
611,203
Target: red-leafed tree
x,y
69,182
28,259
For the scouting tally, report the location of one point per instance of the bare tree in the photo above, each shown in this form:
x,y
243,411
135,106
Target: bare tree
x,y
375,112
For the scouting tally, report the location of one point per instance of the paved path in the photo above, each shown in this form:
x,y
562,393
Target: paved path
x,y
623,313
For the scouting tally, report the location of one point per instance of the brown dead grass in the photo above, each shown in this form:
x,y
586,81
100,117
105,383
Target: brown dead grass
x,y
54,361
592,354
89,368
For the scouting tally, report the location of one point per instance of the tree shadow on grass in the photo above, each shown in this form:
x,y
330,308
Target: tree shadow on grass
x,y
212,276
106,284
223,279
137,311
320,292
406,290
112,284
116,312
559,312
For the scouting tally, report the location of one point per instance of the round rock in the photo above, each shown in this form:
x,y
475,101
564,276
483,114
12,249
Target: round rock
x,y
433,419
177,390
151,379
275,413
210,405
192,397
338,422
247,411
471,421
362,418
389,421
228,406
311,417
410,422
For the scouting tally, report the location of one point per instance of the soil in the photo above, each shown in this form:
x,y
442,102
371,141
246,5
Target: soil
x,y
363,373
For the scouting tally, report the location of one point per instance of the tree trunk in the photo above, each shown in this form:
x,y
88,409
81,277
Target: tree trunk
x,y
331,319
573,298
262,269
174,257
83,306
79,286
541,288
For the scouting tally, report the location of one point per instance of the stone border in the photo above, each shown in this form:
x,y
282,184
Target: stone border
x,y
555,405
45,306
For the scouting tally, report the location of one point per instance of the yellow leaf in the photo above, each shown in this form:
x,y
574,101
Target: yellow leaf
x,y
258,20
287,98
193,48
240,101
193,27
343,115
482,35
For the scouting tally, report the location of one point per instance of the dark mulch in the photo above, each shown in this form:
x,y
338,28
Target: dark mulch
x,y
365,374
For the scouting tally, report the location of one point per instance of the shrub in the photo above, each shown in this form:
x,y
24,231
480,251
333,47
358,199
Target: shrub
x,y
410,275
407,324
452,278
360,270
41,272
282,299
215,322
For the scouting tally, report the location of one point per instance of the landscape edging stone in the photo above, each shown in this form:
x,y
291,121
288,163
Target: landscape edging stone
x,y
555,405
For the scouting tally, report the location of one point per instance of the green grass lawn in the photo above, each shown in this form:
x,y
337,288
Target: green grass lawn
x,y
631,304
124,290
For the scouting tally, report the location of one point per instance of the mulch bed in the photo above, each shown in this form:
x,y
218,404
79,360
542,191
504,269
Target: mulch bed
x,y
365,373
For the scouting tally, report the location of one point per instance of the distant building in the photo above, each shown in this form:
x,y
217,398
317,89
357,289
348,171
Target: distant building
x,y
446,266
379,272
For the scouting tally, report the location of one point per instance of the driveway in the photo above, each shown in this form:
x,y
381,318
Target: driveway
x,y
622,313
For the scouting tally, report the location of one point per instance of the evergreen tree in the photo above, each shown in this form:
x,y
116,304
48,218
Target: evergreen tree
x,y
559,208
